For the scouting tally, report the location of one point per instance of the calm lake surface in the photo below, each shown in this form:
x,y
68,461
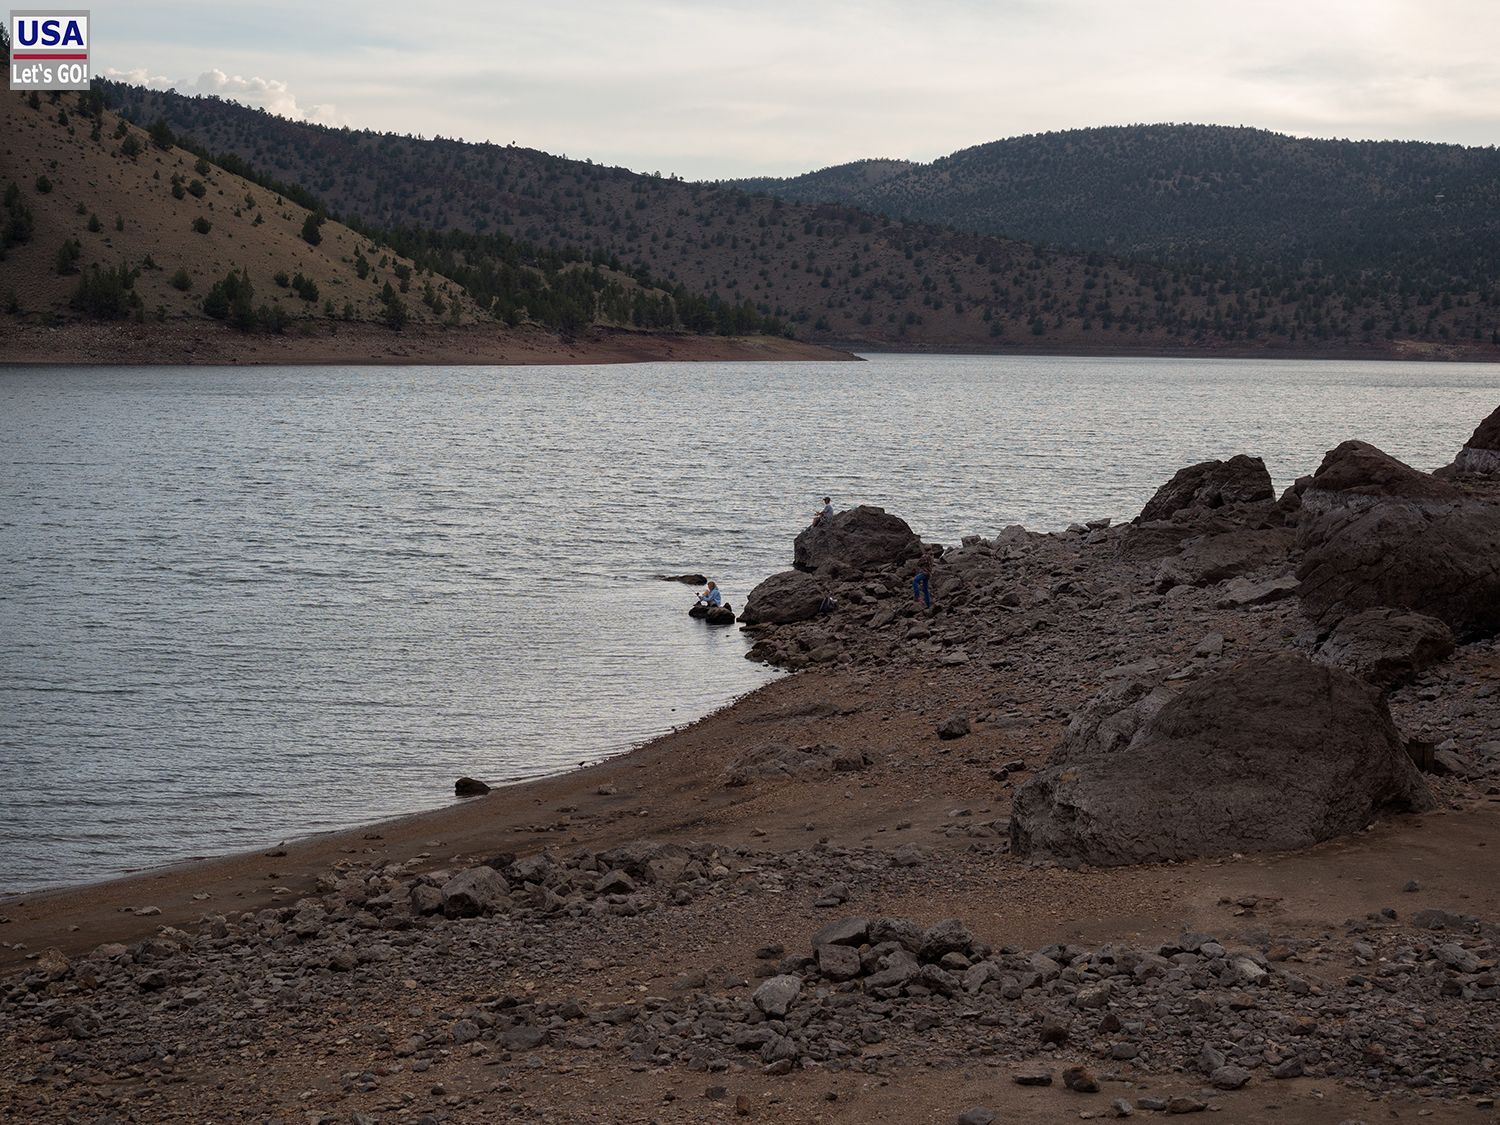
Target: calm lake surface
x,y
243,605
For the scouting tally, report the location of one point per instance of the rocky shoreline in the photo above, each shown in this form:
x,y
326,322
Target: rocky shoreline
x,y
1184,815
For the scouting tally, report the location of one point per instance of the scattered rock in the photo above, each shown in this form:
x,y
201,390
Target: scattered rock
x,y
474,891
469,787
1080,1079
777,995
954,726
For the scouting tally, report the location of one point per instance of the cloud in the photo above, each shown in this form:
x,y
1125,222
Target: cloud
x,y
270,94
140,76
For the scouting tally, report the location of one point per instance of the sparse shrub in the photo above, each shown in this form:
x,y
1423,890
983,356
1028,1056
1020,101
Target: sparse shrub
x,y
67,257
310,232
17,223
197,190
394,313
202,166
230,299
95,226
119,222
161,134
273,318
131,146
202,225
43,185
182,280
281,279
107,293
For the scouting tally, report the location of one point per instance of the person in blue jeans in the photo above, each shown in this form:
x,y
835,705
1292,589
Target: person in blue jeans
x,y
921,583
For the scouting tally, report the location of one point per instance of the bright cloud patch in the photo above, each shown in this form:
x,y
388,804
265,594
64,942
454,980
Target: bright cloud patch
x,y
270,94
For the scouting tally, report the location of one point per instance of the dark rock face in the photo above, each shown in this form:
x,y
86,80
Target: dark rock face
x,y
859,538
1356,471
783,598
1387,646
1487,434
1274,753
1210,484
1379,533
469,787
720,614
686,579
1480,455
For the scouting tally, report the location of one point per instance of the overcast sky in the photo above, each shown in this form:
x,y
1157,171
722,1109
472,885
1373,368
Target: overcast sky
x,y
708,89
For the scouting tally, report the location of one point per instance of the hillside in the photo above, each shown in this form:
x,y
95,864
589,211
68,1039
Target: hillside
x,y
1429,213
175,226
834,272
106,223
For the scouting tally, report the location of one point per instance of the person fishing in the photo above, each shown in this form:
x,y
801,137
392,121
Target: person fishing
x,y
711,596
825,512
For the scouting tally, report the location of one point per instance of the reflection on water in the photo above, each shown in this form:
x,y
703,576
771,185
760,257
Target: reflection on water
x,y
237,605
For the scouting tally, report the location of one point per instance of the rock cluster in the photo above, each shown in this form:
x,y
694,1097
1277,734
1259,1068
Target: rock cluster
x,y
870,990
776,762
1380,533
1208,485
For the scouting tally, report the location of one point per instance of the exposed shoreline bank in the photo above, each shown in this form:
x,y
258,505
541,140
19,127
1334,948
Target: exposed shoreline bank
x,y
201,343
588,946
1412,351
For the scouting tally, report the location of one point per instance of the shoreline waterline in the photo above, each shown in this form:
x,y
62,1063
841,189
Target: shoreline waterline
x,y
225,597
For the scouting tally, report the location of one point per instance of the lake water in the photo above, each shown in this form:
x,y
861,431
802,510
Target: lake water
x,y
243,605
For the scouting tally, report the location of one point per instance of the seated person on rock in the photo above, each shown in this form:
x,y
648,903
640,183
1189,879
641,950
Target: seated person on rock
x,y
824,513
711,596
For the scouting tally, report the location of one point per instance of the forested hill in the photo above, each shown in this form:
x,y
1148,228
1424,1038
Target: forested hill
x,y
1429,213
831,272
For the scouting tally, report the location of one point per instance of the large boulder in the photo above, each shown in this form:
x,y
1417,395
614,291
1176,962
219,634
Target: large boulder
x,y
1387,646
783,598
860,538
1208,485
1274,753
1377,532
1480,455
